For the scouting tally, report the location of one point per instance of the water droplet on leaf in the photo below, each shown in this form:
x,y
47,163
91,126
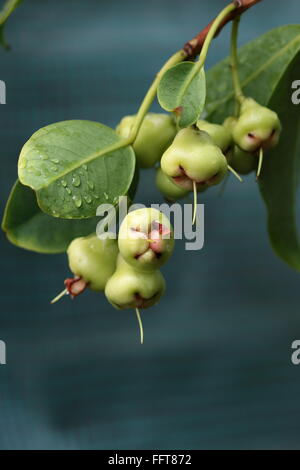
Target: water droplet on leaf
x,y
77,201
76,181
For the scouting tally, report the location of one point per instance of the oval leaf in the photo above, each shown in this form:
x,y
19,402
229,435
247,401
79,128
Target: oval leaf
x,y
262,63
70,166
267,67
179,92
28,227
279,179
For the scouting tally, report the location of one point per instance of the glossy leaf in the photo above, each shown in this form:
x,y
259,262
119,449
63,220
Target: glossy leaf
x,y
180,93
262,63
268,66
279,179
28,227
73,170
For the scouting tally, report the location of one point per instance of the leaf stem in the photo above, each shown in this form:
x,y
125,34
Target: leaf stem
x,y
7,9
208,39
234,65
179,56
211,33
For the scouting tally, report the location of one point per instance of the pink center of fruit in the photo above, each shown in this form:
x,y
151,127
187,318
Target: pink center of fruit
x,y
155,237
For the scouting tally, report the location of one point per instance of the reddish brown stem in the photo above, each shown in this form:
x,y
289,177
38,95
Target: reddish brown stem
x,y
193,47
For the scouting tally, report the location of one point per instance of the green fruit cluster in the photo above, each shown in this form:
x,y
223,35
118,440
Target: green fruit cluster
x,y
127,270
256,129
145,242
155,135
199,155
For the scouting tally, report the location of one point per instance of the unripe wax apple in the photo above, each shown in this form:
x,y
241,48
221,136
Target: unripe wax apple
x,y
93,260
219,134
129,288
257,127
168,188
146,239
155,135
193,157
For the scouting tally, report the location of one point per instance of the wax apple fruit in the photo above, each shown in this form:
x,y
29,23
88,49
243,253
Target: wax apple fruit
x,y
155,135
193,157
146,239
219,134
168,188
257,127
129,288
93,260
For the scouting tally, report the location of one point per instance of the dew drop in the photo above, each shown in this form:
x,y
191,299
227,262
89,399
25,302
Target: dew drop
x,y
105,195
55,160
91,184
68,190
63,183
84,167
44,157
76,181
77,201
88,199
54,168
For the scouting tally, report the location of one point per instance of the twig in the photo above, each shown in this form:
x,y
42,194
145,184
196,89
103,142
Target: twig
x,y
193,47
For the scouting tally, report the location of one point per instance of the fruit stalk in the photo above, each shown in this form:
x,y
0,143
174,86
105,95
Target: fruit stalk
x,y
194,46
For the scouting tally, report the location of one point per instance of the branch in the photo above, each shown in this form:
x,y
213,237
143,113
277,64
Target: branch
x,y
193,47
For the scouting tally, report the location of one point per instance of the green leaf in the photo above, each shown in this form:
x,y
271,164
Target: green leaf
x,y
262,63
8,8
267,67
28,227
182,92
279,179
74,166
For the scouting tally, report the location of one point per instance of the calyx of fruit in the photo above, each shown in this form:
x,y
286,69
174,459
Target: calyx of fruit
x,y
168,188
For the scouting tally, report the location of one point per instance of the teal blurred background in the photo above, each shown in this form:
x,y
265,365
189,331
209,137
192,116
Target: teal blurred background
x,y
215,370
